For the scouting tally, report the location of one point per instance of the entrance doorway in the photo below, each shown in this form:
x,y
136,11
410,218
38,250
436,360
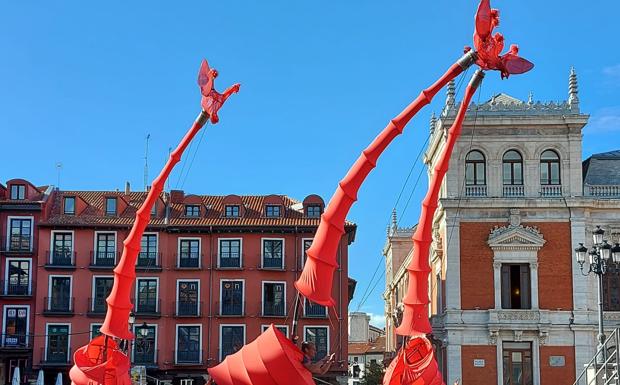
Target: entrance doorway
x,y
517,359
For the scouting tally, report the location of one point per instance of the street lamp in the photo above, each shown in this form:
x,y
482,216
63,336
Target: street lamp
x,y
599,263
132,320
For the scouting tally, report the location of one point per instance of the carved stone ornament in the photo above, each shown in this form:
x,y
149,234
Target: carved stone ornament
x,y
543,335
493,335
517,237
518,335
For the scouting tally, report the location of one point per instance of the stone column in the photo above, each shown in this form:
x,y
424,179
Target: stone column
x,y
497,284
534,286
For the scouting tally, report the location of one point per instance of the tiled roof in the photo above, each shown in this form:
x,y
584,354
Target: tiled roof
x,y
375,347
211,211
34,199
602,169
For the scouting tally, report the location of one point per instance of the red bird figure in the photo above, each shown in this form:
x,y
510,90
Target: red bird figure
x,y
489,47
212,100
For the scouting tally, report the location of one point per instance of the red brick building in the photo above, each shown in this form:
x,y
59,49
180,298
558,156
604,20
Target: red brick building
x,y
213,271
22,205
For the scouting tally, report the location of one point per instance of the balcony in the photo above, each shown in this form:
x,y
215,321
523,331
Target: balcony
x,y
231,309
16,244
550,191
273,263
103,260
187,357
97,307
187,309
511,191
144,356
476,191
188,261
58,306
273,309
17,342
56,358
148,309
601,191
229,262
148,261
60,259
313,310
8,289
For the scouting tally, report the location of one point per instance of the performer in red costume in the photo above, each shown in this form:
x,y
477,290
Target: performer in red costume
x,y
101,361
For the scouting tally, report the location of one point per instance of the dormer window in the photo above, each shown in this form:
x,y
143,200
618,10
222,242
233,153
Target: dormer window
x,y
110,206
69,206
272,211
231,211
313,211
18,191
192,210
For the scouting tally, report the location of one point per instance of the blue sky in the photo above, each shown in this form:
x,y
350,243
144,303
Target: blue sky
x,y
82,83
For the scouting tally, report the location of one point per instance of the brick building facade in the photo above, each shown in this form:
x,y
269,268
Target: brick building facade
x,y
508,298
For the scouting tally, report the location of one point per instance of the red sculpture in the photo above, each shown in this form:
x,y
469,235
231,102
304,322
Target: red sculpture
x,y
212,100
490,46
101,362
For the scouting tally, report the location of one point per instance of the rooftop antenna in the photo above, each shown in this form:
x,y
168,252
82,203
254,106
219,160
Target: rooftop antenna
x,y
146,163
58,169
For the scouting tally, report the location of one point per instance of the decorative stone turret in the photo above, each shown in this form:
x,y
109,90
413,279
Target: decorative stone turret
x,y
394,221
433,123
450,98
573,91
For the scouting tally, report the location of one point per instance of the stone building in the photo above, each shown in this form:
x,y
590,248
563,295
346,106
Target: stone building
x,y
366,346
508,297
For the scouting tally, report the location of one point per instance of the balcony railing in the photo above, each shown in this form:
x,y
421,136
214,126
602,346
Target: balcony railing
x,y
103,259
97,306
314,310
476,191
61,259
273,309
149,308
226,261
189,260
231,309
187,309
601,191
8,289
550,191
187,357
58,306
514,191
16,341
273,263
148,260
18,244
56,358
144,356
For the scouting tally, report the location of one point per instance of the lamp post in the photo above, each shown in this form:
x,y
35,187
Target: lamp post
x,y
599,263
132,321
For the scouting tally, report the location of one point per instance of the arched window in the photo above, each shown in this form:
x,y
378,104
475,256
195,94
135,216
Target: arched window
x,y
513,168
549,168
475,169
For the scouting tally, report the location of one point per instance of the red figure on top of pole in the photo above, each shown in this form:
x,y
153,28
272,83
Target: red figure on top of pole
x,y
101,361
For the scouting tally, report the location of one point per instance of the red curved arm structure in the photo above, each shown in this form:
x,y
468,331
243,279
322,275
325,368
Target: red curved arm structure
x,y
315,282
102,352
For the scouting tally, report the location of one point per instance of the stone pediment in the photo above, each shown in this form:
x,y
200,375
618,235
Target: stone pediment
x,y
517,237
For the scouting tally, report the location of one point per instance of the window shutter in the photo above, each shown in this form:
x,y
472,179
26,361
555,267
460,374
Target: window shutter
x,y
525,287
506,287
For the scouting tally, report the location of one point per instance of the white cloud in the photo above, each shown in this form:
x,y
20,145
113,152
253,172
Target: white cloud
x,y
604,120
377,320
612,71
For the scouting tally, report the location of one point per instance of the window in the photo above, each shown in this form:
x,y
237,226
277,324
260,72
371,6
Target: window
x,y
189,253
230,253
69,206
187,297
101,289
62,249
273,253
110,206
281,328
231,211
314,310
57,344
306,245
516,286
18,191
549,168
16,326
148,251
144,345
232,338
95,330
274,299
188,345
105,252
231,297
60,294
192,210
513,168
147,296
18,277
272,211
313,211
475,169
517,359
318,335
20,233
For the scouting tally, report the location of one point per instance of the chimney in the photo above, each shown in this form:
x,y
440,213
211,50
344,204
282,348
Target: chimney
x,y
176,196
127,188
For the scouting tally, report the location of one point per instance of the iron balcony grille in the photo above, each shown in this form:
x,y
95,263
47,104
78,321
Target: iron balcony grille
x,y
148,259
17,244
58,305
15,289
187,357
188,309
97,306
315,310
229,261
16,341
61,258
106,259
189,260
60,357
148,308
231,308
144,355
274,309
273,263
